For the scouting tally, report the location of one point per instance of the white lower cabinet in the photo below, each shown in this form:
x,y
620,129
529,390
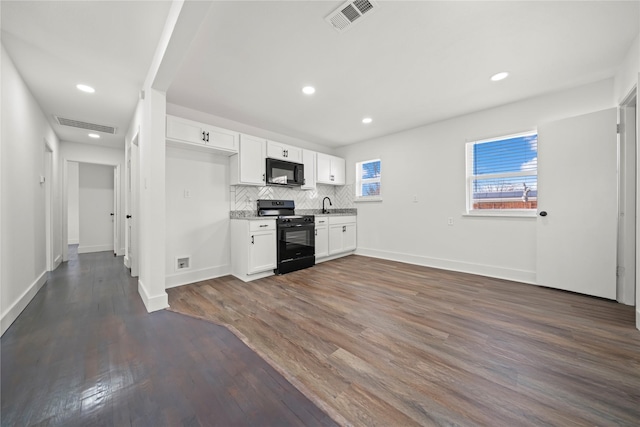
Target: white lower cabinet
x,y
337,235
322,236
253,248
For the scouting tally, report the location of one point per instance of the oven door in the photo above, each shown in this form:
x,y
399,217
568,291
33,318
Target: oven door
x,y
295,241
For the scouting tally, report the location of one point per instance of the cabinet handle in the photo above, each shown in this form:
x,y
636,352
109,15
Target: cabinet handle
x,y
252,240
316,231
331,177
344,228
263,177
265,225
204,134
207,136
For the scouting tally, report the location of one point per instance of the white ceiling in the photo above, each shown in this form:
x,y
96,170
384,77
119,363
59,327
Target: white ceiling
x,y
105,44
407,64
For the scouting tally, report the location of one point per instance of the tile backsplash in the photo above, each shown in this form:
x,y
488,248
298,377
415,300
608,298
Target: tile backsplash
x,y
243,198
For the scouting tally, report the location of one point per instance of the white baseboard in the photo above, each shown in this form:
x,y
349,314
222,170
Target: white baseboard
x,y
127,262
120,252
192,276
56,262
152,303
638,319
12,313
74,241
96,248
329,258
445,264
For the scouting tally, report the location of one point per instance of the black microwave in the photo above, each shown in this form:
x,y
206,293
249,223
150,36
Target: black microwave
x,y
280,172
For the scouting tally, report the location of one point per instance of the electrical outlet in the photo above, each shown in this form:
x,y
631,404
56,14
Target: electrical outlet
x,y
450,220
415,198
187,194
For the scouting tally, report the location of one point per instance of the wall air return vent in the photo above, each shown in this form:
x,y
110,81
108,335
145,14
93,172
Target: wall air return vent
x,y
84,125
350,13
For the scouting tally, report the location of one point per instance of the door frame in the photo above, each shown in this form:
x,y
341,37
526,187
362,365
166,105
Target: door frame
x,y
65,202
48,203
626,280
132,183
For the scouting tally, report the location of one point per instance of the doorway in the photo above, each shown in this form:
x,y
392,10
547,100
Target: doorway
x,y
92,194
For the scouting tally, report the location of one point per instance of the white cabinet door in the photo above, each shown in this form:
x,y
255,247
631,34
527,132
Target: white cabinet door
x,y
349,237
187,131
323,168
335,239
276,150
338,170
322,238
577,188
221,138
309,162
247,167
262,251
330,169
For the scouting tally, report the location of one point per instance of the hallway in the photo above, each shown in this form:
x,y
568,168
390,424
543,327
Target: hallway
x,y
86,352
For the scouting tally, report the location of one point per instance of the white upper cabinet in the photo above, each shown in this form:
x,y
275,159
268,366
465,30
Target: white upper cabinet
x,y
276,150
330,169
189,133
309,162
247,167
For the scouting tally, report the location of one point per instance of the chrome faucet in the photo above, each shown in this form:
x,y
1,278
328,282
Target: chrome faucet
x,y
325,211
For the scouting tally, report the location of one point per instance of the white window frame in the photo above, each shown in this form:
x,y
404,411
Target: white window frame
x,y
359,181
471,177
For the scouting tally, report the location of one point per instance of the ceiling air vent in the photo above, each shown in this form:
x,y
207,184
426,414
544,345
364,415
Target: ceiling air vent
x,y
349,13
84,125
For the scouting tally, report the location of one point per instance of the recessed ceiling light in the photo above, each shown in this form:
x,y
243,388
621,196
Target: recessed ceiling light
x,y
367,120
309,90
85,88
500,76
94,135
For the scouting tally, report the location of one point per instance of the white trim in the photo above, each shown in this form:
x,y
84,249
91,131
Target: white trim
x,y
360,199
332,257
74,241
96,248
505,213
57,262
152,303
127,262
193,276
522,276
638,319
12,313
120,252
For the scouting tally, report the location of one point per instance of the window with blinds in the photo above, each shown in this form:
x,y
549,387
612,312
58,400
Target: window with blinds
x,y
368,180
502,173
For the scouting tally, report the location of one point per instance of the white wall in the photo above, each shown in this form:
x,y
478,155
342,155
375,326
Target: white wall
x,y
95,206
429,162
626,77
73,185
95,154
197,225
23,245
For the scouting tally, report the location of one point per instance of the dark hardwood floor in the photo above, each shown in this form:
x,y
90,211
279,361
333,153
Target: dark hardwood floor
x,y
86,353
383,343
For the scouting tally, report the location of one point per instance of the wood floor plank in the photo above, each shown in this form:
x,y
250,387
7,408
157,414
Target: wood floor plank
x,y
384,343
